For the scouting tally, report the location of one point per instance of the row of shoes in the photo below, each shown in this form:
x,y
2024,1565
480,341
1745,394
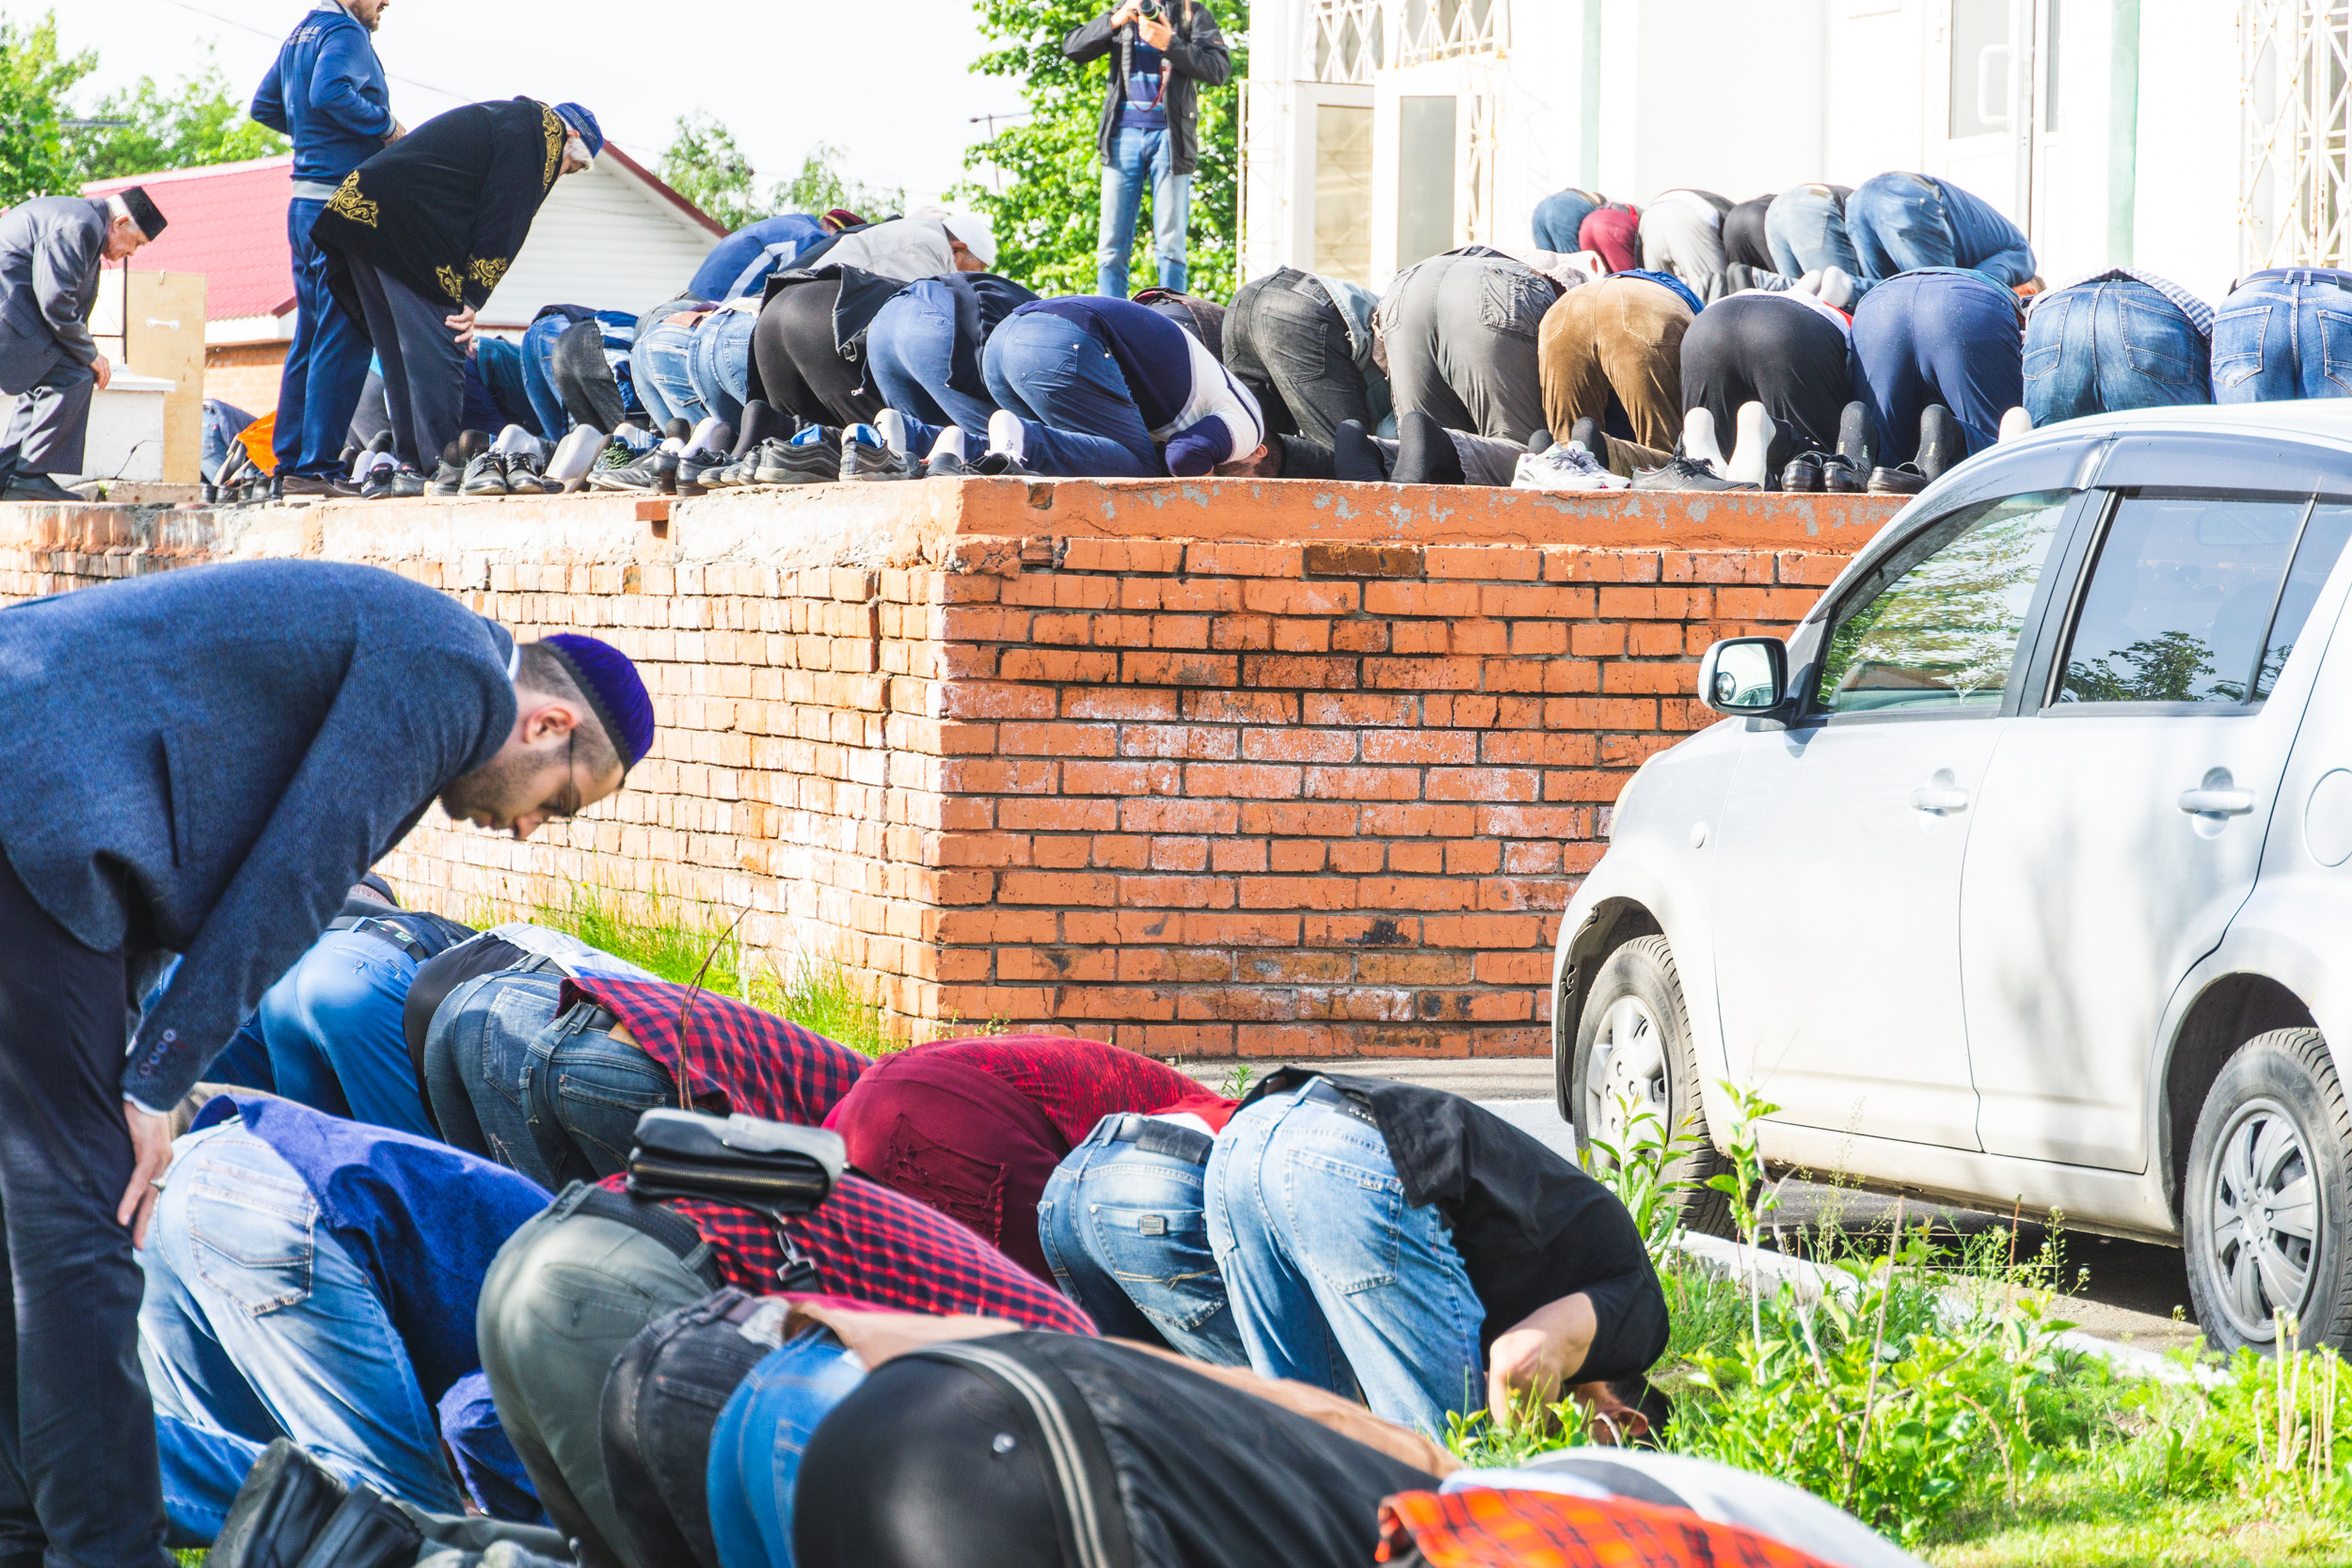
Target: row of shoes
x,y
815,454
1698,462
1578,464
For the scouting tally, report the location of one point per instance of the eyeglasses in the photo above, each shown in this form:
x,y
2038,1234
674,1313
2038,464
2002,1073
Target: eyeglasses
x,y
567,806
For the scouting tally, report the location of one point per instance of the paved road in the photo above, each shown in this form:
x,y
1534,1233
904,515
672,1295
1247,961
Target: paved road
x,y
2133,1291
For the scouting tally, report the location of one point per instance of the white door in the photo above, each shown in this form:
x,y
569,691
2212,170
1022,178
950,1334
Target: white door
x,y
2123,822
1838,857
1999,111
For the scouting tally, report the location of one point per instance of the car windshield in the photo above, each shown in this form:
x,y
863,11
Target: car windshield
x,y
1943,632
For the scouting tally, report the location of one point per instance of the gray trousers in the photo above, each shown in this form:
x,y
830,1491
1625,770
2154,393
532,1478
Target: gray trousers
x,y
49,423
1460,335
424,369
563,1298
1684,236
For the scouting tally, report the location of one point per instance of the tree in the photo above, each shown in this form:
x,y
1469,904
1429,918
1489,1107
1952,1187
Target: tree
x,y
200,122
1047,217
35,159
821,185
704,165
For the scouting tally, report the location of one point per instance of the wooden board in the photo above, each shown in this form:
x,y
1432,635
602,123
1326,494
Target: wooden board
x,y
162,335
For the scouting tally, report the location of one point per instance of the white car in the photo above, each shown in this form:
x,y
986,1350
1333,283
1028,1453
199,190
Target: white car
x,y
2021,872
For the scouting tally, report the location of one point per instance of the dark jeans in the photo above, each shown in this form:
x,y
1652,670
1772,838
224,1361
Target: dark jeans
x,y
2281,334
78,1469
1461,338
325,363
1902,223
661,1402
1287,342
1774,350
1079,420
910,348
799,360
424,369
499,364
546,404
1944,336
2114,344
1559,216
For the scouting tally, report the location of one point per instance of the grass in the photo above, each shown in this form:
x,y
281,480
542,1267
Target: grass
x,y
1931,1398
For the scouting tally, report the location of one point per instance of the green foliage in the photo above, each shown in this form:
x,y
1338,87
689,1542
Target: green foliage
x,y
704,165
198,123
34,156
1637,1173
821,185
1045,215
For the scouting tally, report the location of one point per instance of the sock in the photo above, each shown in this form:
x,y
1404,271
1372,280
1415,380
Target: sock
x,y
950,440
892,426
1354,458
455,453
1005,434
1425,452
679,428
760,423
705,436
1305,459
471,444
515,438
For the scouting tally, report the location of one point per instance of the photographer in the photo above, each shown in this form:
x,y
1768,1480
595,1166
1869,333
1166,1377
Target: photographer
x,y
1150,125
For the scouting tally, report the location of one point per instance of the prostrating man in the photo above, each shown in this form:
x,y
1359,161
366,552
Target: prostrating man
x,y
1108,388
1682,233
1302,344
1805,227
327,90
1902,223
314,1279
923,355
577,1284
1163,51
1559,217
2271,338
419,235
256,736
1945,336
2117,339
1611,352
1786,351
50,249
739,264
1459,330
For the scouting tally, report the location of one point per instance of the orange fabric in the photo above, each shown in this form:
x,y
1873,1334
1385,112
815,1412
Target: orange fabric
x,y
258,440
1544,1529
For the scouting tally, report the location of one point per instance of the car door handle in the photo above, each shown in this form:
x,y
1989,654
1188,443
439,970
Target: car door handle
x,y
1939,798
2216,803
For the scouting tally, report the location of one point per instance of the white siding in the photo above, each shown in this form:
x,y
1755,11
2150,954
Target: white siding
x,y
603,240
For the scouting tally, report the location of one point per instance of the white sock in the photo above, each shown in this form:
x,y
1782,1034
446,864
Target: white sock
x,y
515,438
700,441
1756,442
1004,433
2015,423
892,426
576,452
1698,440
951,441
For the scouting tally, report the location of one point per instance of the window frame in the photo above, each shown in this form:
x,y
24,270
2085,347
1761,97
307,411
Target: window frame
x,y
2065,549
2098,523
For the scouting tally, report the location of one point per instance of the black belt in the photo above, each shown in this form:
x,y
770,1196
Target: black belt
x,y
1324,1092
673,1230
382,930
1161,1137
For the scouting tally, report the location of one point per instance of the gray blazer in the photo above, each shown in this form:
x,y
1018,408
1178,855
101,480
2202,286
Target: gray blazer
x,y
50,249
204,760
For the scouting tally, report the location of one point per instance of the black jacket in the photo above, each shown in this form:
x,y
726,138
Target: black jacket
x,y
445,208
1196,54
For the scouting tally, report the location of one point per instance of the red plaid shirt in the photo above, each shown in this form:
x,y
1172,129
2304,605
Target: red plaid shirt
x,y
1077,1083
736,1056
873,1246
1546,1529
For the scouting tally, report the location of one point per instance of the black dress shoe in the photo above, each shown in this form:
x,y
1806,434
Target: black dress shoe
x,y
37,487
1905,479
320,486
1841,477
1803,476
1941,443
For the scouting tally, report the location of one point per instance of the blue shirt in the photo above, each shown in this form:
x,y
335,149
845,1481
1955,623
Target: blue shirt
x,y
1984,239
327,90
424,1219
1146,108
739,264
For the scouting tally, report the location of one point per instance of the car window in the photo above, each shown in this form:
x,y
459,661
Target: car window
x,y
1942,633
2178,606
2323,541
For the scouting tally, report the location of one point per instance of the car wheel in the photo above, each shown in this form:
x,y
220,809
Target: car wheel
x,y
2267,1214
1634,1053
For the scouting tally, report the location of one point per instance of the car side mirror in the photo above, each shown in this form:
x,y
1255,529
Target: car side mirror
x,y
1745,677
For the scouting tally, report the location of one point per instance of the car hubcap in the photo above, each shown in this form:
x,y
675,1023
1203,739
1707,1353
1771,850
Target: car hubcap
x,y
2265,1212
1625,1076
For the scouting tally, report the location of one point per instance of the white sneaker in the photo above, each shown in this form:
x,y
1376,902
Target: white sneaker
x,y
1564,466
1004,433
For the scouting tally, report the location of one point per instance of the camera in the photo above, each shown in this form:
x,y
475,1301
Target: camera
x,y
1153,9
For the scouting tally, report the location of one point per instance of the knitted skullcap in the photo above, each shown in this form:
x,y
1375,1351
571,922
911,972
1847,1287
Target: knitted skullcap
x,y
585,126
613,689
143,211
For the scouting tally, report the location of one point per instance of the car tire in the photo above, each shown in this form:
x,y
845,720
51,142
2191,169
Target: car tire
x,y
2274,1127
1635,1017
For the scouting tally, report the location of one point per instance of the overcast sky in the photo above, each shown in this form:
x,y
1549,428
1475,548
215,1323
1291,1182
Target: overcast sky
x,y
891,83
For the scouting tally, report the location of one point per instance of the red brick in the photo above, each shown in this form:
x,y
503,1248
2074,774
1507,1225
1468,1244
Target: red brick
x,y
1297,892
1316,820
1179,817
1294,745
1177,892
1177,669
1421,745
1057,740
1301,599
1241,707
1336,673
1412,893
1121,778
1199,742
1247,781
1362,783
1055,887
1054,814
1485,561
1243,561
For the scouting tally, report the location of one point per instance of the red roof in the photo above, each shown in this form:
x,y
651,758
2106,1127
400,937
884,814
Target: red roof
x,y
226,221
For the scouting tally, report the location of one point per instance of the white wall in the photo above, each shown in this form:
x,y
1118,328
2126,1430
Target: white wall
x,y
2186,226
1725,95
604,240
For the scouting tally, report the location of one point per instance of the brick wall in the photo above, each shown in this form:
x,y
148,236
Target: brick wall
x,y
246,375
1319,787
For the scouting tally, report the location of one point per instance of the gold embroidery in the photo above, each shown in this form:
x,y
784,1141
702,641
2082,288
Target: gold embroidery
x,y
553,123
487,271
452,283
350,204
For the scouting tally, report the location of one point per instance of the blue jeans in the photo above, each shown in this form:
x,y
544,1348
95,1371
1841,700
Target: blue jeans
x,y
1559,216
2114,344
332,1032
499,364
556,1099
2286,333
719,368
223,423
1948,336
910,348
657,365
1079,419
1136,157
1805,228
1127,1239
325,364
1903,222
258,1325
538,386
1334,1280
756,1449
